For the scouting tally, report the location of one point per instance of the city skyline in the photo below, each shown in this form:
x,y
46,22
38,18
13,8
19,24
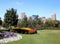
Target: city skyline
x,y
43,8
51,17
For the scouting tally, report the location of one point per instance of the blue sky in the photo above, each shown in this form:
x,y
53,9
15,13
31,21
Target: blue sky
x,y
32,7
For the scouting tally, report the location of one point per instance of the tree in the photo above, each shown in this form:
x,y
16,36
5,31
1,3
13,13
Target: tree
x,y
11,17
38,23
59,24
23,22
30,23
0,21
51,24
35,23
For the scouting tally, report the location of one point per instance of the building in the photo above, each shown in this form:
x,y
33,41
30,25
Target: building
x,y
34,16
22,15
53,16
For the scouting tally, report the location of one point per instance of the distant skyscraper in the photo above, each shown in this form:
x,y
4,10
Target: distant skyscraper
x,y
53,16
34,16
23,15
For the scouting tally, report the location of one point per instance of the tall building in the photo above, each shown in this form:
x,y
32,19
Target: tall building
x,y
53,16
34,16
23,15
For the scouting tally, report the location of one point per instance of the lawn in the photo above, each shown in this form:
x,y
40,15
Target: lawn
x,y
42,37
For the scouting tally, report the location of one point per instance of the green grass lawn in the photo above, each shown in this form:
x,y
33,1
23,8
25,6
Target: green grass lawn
x,y
42,37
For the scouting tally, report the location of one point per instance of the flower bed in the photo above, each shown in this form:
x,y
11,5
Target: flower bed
x,y
9,36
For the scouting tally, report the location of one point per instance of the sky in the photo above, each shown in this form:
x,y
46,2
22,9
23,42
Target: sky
x,y
43,8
